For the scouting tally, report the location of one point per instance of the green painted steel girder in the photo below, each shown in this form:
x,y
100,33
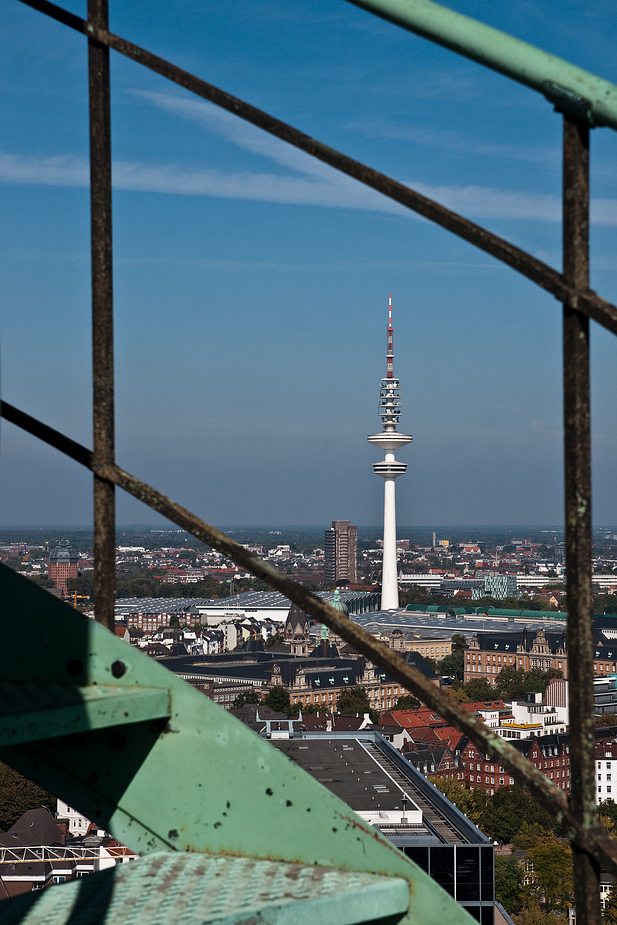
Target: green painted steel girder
x,y
567,86
32,712
191,889
201,781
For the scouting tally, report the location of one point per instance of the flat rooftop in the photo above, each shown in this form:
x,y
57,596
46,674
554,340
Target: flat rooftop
x,y
372,778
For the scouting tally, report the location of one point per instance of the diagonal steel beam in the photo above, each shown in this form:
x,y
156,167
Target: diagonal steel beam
x,y
586,301
591,838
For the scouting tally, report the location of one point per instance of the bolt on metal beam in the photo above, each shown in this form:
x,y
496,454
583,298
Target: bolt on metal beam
x,y
577,453
102,316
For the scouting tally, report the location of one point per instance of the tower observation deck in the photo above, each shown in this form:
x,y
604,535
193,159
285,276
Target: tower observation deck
x,y
389,440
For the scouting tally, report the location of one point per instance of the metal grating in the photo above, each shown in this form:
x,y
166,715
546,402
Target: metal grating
x,y
181,889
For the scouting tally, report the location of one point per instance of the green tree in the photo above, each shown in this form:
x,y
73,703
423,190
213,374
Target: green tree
x,y
510,683
508,809
452,665
608,811
277,699
470,802
458,692
244,698
83,584
529,835
607,719
532,914
548,874
458,642
479,689
42,581
537,680
507,882
18,794
355,700
406,702
272,640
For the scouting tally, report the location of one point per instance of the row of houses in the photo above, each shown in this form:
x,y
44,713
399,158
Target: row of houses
x,y
436,748
540,649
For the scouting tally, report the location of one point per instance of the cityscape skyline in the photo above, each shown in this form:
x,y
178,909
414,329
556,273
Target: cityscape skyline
x,y
215,221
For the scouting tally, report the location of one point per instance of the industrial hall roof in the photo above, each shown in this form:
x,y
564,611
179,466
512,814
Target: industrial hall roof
x,y
370,775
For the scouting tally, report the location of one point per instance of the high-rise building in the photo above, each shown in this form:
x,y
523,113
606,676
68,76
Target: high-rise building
x,y
389,440
340,547
62,565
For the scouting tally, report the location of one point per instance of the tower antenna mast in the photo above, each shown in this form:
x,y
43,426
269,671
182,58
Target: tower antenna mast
x,y
389,440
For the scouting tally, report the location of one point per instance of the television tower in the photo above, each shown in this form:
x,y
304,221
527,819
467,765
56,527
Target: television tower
x,y
389,440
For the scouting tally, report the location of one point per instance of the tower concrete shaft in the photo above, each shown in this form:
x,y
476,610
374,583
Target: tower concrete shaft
x,y
389,440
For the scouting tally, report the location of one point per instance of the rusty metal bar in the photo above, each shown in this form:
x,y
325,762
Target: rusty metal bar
x,y
593,839
102,317
535,270
577,451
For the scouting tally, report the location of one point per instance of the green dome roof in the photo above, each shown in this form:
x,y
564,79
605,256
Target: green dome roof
x,y
338,604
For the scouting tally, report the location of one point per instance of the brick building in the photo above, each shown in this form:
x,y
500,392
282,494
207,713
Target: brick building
x,y
62,565
488,653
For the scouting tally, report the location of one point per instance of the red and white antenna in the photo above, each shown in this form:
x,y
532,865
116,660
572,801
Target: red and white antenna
x,y
390,353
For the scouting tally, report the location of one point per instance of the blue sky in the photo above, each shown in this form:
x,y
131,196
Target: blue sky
x,y
251,283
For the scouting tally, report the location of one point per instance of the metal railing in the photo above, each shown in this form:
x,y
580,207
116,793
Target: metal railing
x,y
585,101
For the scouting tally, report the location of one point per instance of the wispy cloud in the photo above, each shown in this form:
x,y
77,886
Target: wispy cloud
x,y
447,140
303,180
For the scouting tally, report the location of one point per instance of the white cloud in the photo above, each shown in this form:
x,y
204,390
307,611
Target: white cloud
x,y
448,140
62,170
306,182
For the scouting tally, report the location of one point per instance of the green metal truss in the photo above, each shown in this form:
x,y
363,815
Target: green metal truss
x,y
162,767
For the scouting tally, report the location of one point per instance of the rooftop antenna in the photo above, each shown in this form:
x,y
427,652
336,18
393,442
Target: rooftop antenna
x,y
390,351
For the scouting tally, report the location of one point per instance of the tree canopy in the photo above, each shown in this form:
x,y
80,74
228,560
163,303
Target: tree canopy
x,y
507,882
548,875
470,802
277,699
18,794
355,700
244,698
